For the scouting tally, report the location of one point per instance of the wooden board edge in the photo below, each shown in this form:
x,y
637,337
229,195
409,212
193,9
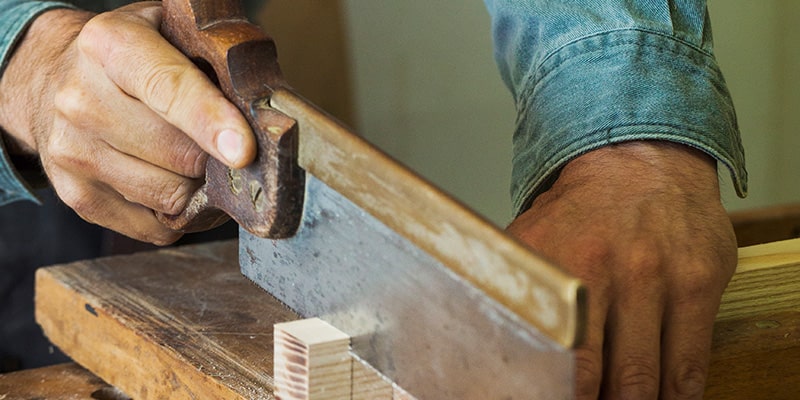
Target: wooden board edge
x,y
768,255
80,325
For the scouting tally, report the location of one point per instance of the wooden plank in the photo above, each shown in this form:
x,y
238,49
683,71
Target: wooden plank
x,y
756,348
58,382
176,323
184,322
312,361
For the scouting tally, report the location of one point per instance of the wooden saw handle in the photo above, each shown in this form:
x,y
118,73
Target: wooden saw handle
x,y
266,197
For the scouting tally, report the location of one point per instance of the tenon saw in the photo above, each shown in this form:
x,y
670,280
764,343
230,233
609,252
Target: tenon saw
x,y
436,298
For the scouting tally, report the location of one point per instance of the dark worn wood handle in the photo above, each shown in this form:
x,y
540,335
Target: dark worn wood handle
x,y
266,197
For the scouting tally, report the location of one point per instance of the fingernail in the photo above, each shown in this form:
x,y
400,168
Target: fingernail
x,y
229,144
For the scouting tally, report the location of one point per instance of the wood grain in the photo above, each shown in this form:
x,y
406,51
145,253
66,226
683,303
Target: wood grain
x,y
756,348
185,324
312,361
178,323
58,382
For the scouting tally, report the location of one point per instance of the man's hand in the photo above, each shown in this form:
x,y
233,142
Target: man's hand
x,y
642,225
121,120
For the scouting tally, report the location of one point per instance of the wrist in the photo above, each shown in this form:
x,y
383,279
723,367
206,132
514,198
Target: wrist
x,y
32,73
641,168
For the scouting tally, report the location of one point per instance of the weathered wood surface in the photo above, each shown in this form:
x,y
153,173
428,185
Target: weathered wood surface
x,y
176,323
59,382
756,350
181,323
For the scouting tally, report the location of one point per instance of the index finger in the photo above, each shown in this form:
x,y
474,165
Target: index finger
x,y
144,65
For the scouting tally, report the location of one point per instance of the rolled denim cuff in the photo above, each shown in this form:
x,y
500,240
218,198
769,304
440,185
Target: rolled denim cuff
x,y
15,17
618,86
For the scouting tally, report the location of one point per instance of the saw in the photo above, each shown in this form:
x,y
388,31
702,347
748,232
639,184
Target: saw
x,y
438,299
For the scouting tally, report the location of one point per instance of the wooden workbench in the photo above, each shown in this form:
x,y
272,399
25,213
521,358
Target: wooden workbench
x,y
184,323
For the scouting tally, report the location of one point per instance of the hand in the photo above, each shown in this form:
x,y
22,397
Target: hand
x,y
642,225
121,120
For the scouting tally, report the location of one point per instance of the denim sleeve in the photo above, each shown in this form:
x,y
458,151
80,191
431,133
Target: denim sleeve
x,y
15,16
588,73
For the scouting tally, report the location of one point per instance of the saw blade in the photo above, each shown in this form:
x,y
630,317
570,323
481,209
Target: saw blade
x,y
429,330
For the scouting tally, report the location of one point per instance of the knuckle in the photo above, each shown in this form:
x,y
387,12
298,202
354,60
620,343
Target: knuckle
x,y
639,378
698,283
162,237
73,104
95,33
687,380
593,251
589,373
588,262
162,87
190,159
147,232
83,201
61,152
644,258
78,108
172,197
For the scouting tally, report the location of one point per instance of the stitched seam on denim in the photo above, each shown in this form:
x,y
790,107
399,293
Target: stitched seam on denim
x,y
622,30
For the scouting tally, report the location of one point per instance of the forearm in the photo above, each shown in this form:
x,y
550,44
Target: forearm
x,y
27,83
15,19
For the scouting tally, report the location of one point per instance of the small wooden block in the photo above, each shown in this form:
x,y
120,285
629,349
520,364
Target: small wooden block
x,y
312,361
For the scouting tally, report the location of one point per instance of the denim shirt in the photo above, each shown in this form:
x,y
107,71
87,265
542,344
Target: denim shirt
x,y
584,74
588,73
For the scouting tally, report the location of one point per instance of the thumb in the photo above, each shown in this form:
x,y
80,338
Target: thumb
x,y
128,44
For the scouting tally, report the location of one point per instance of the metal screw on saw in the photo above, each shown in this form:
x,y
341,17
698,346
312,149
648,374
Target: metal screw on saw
x,y
235,181
256,192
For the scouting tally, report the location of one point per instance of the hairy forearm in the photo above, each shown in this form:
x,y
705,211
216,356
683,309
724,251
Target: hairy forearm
x,y
648,166
28,81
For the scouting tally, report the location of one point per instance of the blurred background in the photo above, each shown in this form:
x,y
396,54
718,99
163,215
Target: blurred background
x,y
421,83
